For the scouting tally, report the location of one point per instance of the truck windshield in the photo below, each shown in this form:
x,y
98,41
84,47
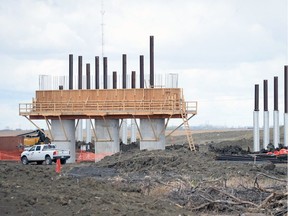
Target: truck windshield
x,y
32,149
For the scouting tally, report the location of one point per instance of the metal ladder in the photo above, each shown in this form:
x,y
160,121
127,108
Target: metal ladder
x,y
188,131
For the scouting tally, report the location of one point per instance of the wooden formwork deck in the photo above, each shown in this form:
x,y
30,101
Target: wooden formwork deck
x,y
108,103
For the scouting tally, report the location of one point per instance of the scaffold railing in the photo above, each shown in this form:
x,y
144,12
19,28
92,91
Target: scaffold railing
x,y
111,107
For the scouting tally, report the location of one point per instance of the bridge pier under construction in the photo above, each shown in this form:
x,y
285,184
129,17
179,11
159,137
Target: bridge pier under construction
x,y
150,106
107,106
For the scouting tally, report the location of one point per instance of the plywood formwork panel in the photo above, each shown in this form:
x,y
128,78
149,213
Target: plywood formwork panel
x,y
108,94
109,102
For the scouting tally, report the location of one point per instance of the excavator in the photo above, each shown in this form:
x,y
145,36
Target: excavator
x,y
35,137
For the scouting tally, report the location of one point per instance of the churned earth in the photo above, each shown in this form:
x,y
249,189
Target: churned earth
x,y
174,181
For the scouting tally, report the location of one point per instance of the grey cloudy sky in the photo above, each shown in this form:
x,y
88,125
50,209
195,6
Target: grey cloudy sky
x,y
219,48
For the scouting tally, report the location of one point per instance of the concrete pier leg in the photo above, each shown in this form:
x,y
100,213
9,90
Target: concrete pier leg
x,y
80,130
150,128
124,131
266,138
256,140
64,136
276,129
88,131
133,131
104,129
285,129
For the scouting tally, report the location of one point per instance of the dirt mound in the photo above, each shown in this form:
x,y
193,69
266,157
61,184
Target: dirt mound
x,y
174,181
228,150
193,181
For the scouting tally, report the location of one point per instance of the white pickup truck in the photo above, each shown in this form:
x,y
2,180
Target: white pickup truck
x,y
44,153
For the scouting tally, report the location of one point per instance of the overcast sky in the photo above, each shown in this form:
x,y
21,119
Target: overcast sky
x,y
219,48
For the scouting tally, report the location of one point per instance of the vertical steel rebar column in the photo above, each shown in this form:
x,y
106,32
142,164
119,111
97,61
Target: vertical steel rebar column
x,y
70,71
124,71
114,80
276,129
105,73
141,71
88,76
286,105
266,138
96,72
79,72
256,138
151,61
133,79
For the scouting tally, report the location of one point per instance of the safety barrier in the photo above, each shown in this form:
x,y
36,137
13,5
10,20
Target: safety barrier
x,y
10,155
84,156
81,156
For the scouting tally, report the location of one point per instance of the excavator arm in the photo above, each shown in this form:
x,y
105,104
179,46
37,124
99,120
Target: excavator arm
x,y
35,137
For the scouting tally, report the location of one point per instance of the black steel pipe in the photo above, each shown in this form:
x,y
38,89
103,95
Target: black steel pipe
x,y
70,71
88,76
96,72
124,71
286,88
265,95
114,80
79,72
256,98
141,71
152,61
275,93
105,72
133,79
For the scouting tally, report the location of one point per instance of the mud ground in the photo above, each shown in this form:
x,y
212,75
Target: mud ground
x,y
133,182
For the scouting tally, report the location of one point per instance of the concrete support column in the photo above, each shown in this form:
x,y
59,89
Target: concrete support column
x,y
133,131
276,129
285,129
107,136
153,135
88,131
256,146
80,130
64,136
266,138
124,131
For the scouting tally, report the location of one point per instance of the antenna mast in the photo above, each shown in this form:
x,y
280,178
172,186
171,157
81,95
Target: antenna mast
x,y
102,26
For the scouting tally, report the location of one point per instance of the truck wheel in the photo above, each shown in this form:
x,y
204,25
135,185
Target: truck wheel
x,y
24,160
63,161
48,160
